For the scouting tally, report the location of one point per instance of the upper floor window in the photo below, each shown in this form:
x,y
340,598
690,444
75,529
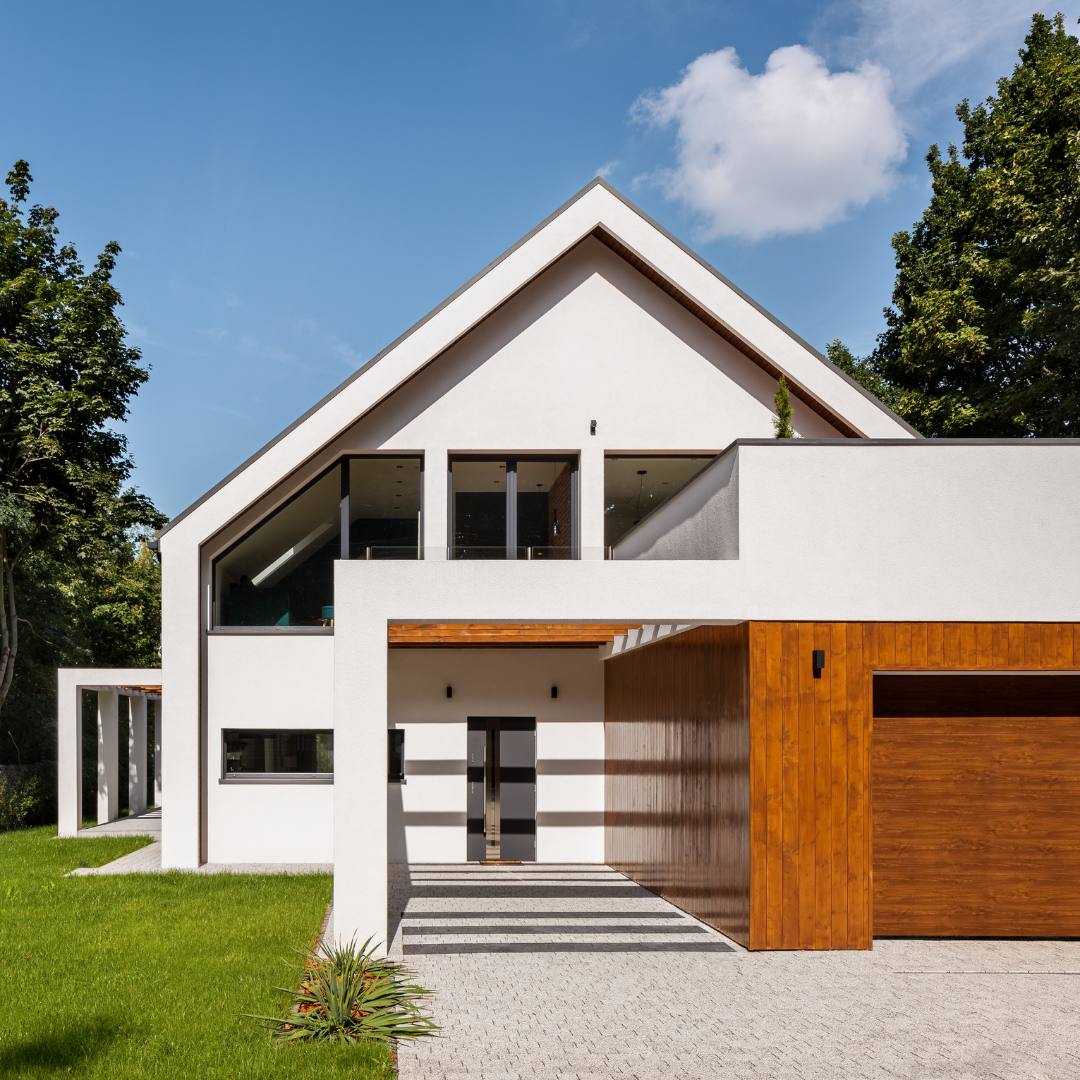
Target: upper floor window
x,y
513,508
281,573
635,486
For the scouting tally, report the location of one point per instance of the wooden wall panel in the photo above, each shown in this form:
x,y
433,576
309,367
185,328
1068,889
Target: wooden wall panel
x,y
809,819
814,859
678,762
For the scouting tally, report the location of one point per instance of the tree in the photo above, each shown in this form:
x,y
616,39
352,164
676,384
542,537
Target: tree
x,y
782,423
983,338
865,371
66,373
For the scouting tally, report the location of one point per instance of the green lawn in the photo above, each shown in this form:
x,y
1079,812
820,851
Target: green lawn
x,y
146,975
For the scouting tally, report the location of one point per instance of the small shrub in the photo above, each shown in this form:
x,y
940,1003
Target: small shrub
x,y
349,995
18,797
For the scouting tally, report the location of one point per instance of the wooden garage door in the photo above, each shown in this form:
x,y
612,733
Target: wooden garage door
x,y
976,805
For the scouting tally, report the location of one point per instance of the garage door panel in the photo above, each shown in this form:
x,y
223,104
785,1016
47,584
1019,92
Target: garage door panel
x,y
976,826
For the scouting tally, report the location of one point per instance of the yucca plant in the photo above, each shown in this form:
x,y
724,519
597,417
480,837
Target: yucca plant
x,y
347,994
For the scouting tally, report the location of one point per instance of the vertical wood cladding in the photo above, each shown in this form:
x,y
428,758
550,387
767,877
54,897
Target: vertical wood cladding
x,y
741,787
677,747
810,844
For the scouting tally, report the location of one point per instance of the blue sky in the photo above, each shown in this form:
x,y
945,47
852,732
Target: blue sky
x,y
293,185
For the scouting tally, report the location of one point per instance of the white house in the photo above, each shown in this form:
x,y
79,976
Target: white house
x,y
537,583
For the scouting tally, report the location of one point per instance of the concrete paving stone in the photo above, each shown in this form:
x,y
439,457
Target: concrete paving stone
x,y
910,1010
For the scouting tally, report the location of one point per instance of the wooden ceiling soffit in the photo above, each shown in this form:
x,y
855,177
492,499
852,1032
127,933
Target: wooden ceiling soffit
x,y
808,398
504,635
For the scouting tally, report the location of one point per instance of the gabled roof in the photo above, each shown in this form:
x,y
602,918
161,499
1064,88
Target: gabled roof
x,y
598,211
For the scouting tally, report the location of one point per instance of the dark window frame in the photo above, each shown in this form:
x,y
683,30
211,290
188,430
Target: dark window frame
x,y
395,736
511,462
272,777
342,464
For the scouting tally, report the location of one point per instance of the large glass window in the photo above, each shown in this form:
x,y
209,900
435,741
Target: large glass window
x,y
635,486
384,507
284,753
523,508
282,572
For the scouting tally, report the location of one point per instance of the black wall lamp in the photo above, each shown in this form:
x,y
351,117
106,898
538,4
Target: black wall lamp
x,y
819,662
449,691
554,691
592,427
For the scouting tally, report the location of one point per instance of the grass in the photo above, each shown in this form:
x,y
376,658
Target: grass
x,y
146,975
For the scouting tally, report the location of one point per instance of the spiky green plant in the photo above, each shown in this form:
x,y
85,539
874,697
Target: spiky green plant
x,y
347,994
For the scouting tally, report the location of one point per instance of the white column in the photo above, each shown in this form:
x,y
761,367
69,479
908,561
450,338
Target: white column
x,y
157,752
435,496
185,605
360,720
108,732
136,755
69,753
591,499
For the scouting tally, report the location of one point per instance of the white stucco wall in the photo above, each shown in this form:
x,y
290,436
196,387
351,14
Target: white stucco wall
x,y
921,530
426,816
267,681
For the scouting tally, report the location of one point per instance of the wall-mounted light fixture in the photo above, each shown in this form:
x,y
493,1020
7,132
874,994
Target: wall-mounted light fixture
x,y
554,691
592,427
819,662
555,523
449,691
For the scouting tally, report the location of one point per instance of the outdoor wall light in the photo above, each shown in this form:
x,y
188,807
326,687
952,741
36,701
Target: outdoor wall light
x,y
554,691
555,523
449,691
592,427
819,662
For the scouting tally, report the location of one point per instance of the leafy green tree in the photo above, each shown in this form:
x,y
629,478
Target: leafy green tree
x,y
983,338
66,374
782,401
864,370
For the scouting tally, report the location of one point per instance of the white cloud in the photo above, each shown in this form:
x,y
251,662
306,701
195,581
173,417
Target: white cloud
x,y
787,151
920,40
605,171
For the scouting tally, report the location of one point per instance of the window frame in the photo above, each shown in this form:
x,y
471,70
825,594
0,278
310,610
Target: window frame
x,y
676,455
341,463
226,777
511,462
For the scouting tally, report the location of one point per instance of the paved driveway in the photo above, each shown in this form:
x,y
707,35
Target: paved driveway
x,y
571,971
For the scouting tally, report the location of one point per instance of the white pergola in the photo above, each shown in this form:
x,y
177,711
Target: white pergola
x,y
139,685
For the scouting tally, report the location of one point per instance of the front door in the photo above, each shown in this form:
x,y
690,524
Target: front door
x,y
501,778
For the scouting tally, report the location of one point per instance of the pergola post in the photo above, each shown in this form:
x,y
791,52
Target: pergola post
x,y
157,752
137,754
108,733
69,754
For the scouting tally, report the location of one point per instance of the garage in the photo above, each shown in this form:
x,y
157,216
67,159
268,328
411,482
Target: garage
x,y
976,804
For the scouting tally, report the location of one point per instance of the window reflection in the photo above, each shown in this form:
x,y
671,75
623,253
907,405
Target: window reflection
x,y
289,752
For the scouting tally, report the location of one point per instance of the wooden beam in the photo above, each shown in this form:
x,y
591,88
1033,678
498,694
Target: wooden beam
x,y
503,635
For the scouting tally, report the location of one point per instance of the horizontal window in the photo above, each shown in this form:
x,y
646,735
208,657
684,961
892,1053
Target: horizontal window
x,y
252,753
958,695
